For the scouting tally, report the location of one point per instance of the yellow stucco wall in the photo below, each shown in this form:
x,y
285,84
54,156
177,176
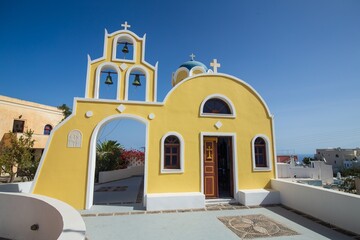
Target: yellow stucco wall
x,y
64,171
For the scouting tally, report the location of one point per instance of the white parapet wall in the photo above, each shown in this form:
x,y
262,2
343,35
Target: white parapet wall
x,y
29,216
171,201
120,174
334,207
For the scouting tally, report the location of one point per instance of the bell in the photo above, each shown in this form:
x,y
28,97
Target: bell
x,y
125,48
136,81
108,80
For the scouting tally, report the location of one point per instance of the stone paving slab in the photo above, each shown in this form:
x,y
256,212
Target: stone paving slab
x,y
199,224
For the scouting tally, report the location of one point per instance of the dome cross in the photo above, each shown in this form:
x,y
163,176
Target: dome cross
x,y
215,65
192,56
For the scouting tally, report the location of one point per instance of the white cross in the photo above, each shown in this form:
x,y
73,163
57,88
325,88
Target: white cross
x,y
192,57
215,65
125,25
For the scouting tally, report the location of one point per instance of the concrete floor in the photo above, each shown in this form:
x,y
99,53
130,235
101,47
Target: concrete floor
x,y
198,224
123,217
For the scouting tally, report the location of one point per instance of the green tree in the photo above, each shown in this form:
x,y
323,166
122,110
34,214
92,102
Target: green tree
x,y
66,110
108,157
29,171
307,160
349,176
16,153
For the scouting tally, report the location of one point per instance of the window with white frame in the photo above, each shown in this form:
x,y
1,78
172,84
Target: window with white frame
x,y
217,106
172,153
260,153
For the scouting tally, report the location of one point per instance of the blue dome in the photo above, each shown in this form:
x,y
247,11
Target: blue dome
x,y
190,64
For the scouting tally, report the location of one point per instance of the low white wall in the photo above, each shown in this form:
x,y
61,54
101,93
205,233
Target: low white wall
x,y
120,174
22,187
170,201
56,220
334,207
254,197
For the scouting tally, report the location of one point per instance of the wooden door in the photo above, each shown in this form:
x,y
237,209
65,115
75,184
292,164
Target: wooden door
x,y
210,167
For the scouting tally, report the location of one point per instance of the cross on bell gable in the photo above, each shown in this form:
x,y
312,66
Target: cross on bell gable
x,y
126,25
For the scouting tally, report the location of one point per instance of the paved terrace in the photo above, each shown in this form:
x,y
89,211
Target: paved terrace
x,y
125,218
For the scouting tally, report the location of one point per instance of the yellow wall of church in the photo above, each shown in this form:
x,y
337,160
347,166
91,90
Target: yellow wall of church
x,y
64,171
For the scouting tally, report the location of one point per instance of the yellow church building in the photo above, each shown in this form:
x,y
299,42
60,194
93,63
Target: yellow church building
x,y
212,136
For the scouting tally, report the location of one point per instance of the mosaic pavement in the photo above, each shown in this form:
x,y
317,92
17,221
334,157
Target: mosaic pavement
x,y
255,226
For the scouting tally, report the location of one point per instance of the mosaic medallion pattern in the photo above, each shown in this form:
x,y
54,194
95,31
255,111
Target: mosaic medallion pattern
x,y
255,226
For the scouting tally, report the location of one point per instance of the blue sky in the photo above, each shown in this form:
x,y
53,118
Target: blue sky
x,y
303,57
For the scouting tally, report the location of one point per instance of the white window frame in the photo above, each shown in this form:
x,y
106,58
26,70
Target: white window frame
x,y
223,98
268,156
182,153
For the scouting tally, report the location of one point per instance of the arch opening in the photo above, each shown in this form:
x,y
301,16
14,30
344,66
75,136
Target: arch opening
x,y
137,82
108,82
118,159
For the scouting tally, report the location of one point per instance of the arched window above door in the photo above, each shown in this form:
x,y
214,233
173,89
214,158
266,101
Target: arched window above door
x,y
217,106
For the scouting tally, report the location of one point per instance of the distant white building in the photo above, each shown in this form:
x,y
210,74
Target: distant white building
x,y
339,158
318,170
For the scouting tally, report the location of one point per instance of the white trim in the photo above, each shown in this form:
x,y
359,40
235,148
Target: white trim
x,y
92,154
191,73
274,145
112,66
118,101
106,35
268,156
221,75
176,74
182,154
234,157
143,50
155,82
171,201
223,98
128,38
147,79
87,76
123,31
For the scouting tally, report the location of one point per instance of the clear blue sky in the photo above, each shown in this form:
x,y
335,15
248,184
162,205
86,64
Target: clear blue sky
x,y
303,57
